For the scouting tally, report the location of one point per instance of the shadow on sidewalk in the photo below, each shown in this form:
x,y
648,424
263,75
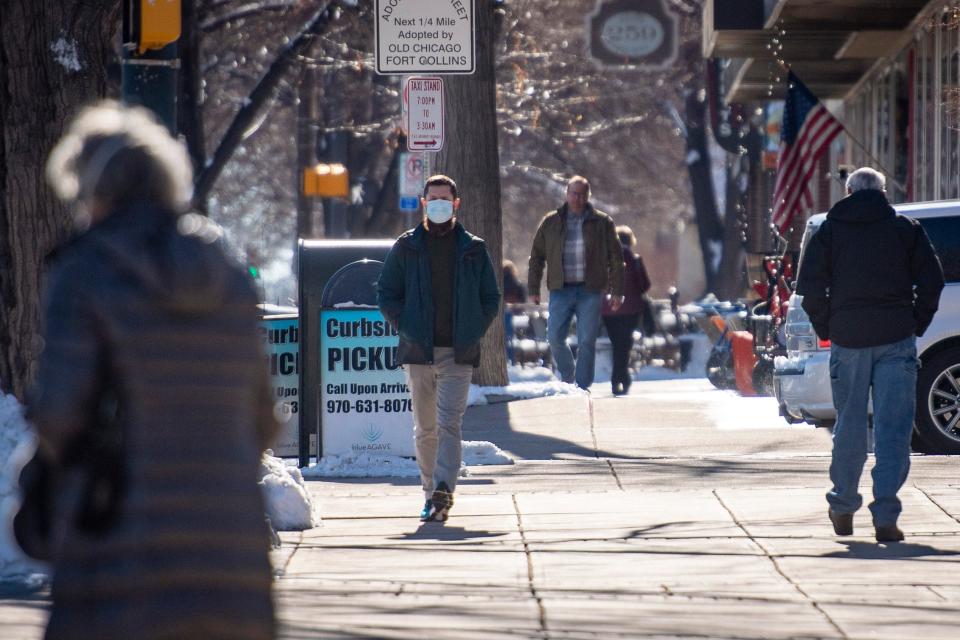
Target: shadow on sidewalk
x,y
440,531
892,551
492,422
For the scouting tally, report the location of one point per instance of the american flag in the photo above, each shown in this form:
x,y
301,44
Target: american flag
x,y
805,134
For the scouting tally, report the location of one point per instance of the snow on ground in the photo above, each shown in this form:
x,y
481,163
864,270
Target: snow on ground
x,y
367,465
288,502
525,382
13,431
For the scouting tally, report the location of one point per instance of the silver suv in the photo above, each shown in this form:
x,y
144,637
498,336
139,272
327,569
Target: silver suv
x,y
802,378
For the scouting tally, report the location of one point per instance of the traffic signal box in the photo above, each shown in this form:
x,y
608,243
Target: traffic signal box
x,y
326,181
151,24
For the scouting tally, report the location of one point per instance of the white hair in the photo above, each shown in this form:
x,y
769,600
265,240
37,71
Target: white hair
x,y
866,178
117,155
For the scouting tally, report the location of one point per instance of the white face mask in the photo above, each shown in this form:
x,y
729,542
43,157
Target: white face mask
x,y
439,211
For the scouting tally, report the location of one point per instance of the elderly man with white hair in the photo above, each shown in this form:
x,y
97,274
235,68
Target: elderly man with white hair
x,y
871,283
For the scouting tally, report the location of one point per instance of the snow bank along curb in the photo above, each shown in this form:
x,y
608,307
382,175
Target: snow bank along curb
x,y
365,465
288,502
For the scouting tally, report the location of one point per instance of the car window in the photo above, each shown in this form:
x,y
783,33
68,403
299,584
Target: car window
x,y
944,234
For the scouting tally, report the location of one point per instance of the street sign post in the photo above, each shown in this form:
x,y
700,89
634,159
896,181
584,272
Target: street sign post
x,y
425,36
423,113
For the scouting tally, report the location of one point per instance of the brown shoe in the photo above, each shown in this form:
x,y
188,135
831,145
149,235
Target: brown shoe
x,y
842,522
888,533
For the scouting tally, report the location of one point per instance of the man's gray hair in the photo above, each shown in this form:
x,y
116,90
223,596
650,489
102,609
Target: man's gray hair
x,y
117,155
866,178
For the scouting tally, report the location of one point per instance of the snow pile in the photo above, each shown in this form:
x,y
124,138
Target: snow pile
x,y
14,432
481,452
363,465
367,465
288,502
525,382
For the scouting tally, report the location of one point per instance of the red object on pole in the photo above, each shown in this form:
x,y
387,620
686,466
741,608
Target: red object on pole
x,y
744,360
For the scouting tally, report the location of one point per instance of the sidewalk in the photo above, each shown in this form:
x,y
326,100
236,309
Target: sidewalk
x,y
622,518
581,540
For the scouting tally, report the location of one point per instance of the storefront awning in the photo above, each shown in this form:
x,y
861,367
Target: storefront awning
x,y
830,44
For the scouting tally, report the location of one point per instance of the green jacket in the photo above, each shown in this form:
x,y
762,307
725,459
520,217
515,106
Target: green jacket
x,y
405,296
604,255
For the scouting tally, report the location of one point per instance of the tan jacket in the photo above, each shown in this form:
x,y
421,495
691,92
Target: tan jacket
x,y
604,255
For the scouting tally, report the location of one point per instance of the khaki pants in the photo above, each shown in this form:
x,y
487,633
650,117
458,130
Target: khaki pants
x,y
439,393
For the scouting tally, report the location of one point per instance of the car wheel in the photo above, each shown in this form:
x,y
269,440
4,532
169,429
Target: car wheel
x,y
938,402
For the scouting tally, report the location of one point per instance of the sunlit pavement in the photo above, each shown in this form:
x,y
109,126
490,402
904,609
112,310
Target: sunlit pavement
x,y
677,512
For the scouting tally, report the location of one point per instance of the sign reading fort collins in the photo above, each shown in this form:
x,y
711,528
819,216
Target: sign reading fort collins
x,y
425,36
639,34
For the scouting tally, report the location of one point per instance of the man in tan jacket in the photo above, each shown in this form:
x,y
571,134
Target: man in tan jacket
x,y
582,254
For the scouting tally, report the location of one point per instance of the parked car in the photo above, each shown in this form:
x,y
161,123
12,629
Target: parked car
x,y
802,377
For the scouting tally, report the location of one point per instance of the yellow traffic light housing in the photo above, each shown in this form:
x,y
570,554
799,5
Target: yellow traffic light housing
x,y
159,24
326,181
151,24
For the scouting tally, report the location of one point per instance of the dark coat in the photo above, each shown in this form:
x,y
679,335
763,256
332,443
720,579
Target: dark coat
x,y
869,276
636,282
160,317
405,296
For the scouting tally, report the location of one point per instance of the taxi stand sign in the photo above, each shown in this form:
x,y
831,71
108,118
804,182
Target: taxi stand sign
x,y
423,113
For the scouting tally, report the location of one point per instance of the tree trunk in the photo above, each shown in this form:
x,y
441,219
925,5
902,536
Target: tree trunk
x,y
52,60
470,156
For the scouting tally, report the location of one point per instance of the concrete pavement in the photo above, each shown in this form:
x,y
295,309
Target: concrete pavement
x,y
651,516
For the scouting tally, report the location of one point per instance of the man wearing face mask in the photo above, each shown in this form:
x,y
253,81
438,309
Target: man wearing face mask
x,y
439,291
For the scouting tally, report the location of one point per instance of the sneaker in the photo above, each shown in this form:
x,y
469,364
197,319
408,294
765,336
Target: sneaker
x,y
427,511
442,501
842,522
888,533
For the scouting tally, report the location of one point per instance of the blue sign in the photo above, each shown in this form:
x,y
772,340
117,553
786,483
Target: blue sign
x,y
280,336
365,402
409,203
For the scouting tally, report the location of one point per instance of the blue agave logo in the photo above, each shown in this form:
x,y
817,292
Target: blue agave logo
x,y
372,433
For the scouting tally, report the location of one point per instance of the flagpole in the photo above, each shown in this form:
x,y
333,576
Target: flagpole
x,y
870,156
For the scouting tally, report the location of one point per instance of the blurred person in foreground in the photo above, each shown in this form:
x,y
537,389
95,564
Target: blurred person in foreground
x,y
871,283
578,245
621,322
151,401
439,291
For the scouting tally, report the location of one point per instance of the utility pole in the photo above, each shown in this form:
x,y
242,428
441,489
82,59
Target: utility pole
x,y
151,29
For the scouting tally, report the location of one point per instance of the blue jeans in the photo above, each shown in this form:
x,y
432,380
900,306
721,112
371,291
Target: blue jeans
x,y
564,303
891,371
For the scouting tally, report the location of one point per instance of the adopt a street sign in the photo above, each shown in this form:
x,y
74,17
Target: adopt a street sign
x,y
423,113
425,36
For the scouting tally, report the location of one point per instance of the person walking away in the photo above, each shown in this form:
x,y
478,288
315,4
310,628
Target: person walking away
x,y
439,291
871,283
151,401
578,245
621,322
513,293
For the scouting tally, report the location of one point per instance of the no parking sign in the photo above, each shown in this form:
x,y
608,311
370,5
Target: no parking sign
x,y
413,170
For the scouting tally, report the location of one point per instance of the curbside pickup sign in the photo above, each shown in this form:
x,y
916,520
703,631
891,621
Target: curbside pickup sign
x,y
364,402
425,36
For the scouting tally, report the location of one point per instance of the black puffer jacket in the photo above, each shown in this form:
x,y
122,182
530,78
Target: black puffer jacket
x,y
869,276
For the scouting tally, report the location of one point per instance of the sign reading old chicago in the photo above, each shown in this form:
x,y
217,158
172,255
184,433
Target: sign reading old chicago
x,y
425,36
